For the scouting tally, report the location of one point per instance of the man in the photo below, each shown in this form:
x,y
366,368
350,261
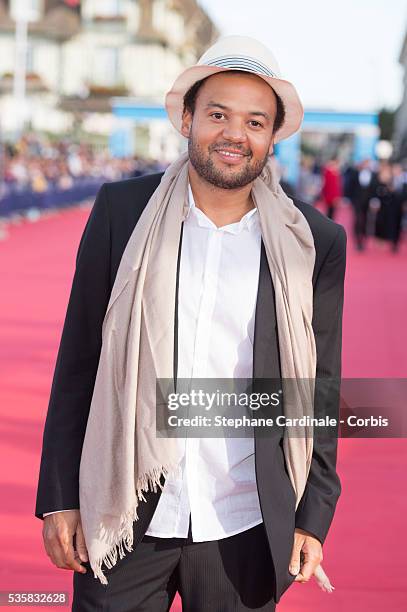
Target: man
x,y
331,186
211,273
360,189
396,212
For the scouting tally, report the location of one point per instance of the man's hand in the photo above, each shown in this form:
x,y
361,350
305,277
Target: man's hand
x,y
310,549
58,534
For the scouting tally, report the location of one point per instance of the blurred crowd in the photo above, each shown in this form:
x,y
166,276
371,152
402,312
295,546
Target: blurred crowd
x,y
36,163
376,190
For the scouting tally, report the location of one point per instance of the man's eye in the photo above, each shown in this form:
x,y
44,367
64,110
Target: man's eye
x,y
256,123
217,115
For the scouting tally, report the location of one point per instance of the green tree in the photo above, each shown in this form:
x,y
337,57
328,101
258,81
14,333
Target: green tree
x,y
386,123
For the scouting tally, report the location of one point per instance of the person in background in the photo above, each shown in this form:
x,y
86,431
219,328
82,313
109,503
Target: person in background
x,y
331,186
360,186
398,205
309,181
382,201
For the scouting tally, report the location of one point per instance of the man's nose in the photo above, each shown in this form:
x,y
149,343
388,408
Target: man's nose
x,y
235,131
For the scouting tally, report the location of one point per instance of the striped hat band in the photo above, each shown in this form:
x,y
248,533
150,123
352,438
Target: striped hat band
x,y
236,62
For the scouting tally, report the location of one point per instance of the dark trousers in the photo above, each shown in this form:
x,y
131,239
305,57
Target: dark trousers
x,y
360,222
229,575
331,208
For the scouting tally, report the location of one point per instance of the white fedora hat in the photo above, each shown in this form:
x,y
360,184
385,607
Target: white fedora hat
x,y
238,53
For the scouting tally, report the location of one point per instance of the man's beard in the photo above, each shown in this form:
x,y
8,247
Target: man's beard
x,y
207,170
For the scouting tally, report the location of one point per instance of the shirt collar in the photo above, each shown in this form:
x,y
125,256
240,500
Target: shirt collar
x,y
197,217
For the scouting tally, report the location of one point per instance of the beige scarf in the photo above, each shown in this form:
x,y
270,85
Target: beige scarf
x,y
121,456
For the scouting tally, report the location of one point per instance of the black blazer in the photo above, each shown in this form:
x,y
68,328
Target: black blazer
x,y
114,215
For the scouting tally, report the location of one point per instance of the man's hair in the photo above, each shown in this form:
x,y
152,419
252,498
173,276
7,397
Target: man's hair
x,y
190,100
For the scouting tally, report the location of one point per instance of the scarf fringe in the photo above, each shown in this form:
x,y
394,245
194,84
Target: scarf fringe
x,y
124,539
150,480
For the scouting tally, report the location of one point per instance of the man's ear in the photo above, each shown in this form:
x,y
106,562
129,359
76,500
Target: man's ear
x,y
271,147
186,123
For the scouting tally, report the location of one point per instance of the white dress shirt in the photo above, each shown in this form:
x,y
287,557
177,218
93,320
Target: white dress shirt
x,y
218,280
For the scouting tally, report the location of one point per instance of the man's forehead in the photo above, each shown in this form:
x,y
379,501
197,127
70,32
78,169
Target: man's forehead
x,y
220,89
254,108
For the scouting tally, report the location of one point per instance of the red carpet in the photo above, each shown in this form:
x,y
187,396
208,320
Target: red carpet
x,y
364,551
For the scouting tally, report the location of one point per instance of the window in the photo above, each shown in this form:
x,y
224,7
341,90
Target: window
x,y
26,9
109,8
106,66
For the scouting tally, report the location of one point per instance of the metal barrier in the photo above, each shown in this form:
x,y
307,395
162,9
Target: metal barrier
x,y
18,201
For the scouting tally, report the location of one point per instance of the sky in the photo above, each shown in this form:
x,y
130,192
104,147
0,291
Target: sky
x,y
340,54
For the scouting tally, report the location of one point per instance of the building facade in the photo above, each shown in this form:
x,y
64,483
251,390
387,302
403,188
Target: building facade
x,y
82,55
400,127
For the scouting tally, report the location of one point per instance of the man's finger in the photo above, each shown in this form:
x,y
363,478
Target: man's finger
x,y
294,566
56,553
80,544
69,558
309,567
300,578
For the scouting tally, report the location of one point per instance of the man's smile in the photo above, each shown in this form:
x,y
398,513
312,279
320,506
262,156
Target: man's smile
x,y
231,156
